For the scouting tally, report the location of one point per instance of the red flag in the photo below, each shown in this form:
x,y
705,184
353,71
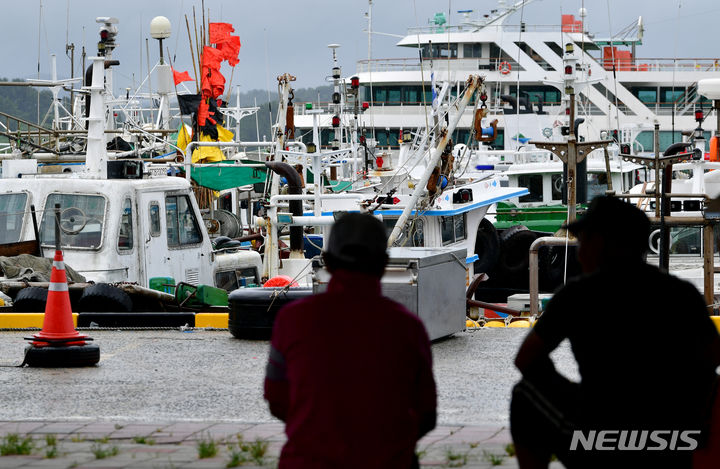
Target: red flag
x,y
211,58
230,50
213,82
180,77
220,32
203,113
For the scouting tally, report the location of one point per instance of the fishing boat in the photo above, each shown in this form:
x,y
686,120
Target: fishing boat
x,y
126,224
431,213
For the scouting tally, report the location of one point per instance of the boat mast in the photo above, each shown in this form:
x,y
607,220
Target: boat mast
x,y
473,84
96,158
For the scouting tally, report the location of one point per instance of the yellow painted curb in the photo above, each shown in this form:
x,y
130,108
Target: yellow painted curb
x,y
217,320
716,320
25,320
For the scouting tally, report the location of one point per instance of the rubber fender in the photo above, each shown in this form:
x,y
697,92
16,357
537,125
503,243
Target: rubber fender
x,y
551,266
487,247
30,300
104,298
515,256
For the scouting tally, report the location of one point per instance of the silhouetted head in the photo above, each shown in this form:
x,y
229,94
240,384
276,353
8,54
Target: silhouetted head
x,y
358,242
611,233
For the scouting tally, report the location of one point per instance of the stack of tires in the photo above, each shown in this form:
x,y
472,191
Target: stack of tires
x,y
97,298
504,256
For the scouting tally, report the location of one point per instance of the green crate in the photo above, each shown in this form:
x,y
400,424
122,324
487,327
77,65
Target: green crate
x,y
163,284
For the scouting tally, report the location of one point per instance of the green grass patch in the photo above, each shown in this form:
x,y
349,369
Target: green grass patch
x,y
51,452
493,459
510,450
207,448
102,452
144,440
454,459
13,444
255,452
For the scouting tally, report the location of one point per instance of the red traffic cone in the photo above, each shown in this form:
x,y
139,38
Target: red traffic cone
x,y
58,327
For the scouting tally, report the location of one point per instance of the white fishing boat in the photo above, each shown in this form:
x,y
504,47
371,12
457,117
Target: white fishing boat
x,y
123,220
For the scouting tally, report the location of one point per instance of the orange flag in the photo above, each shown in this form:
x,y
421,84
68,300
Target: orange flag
x,y
220,32
180,77
230,50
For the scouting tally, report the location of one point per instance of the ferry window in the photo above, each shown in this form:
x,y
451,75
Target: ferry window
x,y
452,228
411,94
646,139
428,95
557,186
125,238
12,212
380,94
439,50
154,219
472,50
394,95
534,184
646,95
81,218
182,226
669,95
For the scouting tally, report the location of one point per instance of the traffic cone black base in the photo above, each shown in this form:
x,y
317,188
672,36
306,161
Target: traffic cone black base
x,y
63,356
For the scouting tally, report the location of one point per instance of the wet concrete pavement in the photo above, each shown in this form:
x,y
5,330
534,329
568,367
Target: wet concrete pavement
x,y
155,379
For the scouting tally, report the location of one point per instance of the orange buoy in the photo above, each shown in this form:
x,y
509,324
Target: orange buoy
x,y
280,281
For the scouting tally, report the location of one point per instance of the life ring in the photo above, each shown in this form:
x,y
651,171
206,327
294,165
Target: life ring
x,y
504,68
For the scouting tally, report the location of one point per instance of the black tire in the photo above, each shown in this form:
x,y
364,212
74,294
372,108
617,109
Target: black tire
x,y
487,247
515,256
253,310
62,356
551,266
30,300
104,298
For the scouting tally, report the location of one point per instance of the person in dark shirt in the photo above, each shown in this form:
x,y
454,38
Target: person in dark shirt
x,y
350,371
645,347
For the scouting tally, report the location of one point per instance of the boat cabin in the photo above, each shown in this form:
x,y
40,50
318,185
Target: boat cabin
x,y
122,230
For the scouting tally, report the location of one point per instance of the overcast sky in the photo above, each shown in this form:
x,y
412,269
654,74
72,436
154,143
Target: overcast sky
x,y
281,36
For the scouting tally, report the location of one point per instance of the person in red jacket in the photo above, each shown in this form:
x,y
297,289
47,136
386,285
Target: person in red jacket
x,y
350,371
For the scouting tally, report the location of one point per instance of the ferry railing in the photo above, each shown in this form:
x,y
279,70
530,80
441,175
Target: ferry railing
x,y
470,27
440,63
640,64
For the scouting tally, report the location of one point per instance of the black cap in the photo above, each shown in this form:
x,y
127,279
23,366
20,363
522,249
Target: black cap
x,y
617,221
355,236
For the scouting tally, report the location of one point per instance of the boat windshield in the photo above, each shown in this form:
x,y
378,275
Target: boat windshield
x,y
12,212
81,220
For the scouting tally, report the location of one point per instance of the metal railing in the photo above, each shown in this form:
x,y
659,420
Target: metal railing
x,y
440,64
661,64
